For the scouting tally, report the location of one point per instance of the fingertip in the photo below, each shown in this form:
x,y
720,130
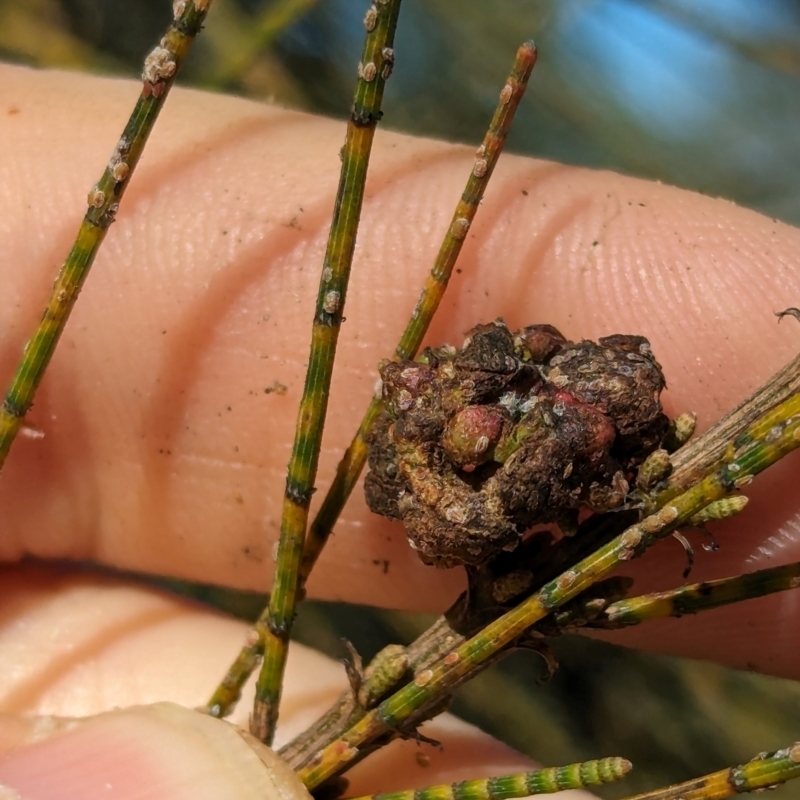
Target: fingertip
x,y
159,751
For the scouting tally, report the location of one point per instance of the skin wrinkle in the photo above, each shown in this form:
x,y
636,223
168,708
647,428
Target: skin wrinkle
x,y
661,285
479,271
43,456
53,589
66,470
367,302
556,223
599,216
52,614
628,283
151,174
583,281
191,339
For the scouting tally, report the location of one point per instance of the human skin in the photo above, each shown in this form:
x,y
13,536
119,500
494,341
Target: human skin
x,y
164,454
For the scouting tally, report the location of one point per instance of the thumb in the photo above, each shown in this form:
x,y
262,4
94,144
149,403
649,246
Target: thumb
x,y
160,751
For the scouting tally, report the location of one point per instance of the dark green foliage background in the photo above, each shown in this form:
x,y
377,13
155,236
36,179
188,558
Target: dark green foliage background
x,y
700,93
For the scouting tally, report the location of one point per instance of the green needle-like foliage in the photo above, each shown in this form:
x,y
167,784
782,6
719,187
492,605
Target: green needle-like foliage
x,y
704,492
375,67
160,68
259,34
698,597
763,443
229,690
763,772
523,784
432,292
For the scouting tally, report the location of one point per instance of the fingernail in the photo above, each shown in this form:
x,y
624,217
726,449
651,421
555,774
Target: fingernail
x,y
159,751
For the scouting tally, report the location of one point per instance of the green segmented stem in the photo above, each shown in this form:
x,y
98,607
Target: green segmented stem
x,y
374,70
160,68
229,689
542,781
583,611
763,772
352,462
383,676
349,468
759,446
698,597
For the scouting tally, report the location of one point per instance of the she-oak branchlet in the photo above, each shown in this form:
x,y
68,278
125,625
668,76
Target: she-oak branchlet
x,y
470,448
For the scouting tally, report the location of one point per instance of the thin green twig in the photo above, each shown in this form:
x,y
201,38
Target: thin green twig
x,y
604,606
587,609
693,460
349,468
374,69
696,597
160,69
591,610
766,441
523,784
352,462
763,772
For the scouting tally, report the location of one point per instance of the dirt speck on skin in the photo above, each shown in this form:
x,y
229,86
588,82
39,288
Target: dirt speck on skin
x,y
276,387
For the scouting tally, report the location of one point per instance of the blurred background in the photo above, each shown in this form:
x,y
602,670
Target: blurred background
x,y
699,93
704,94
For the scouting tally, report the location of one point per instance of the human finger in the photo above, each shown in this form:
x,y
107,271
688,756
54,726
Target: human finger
x,y
168,410
75,646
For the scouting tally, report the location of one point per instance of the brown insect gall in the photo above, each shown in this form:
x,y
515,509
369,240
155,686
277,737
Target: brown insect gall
x,y
478,444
